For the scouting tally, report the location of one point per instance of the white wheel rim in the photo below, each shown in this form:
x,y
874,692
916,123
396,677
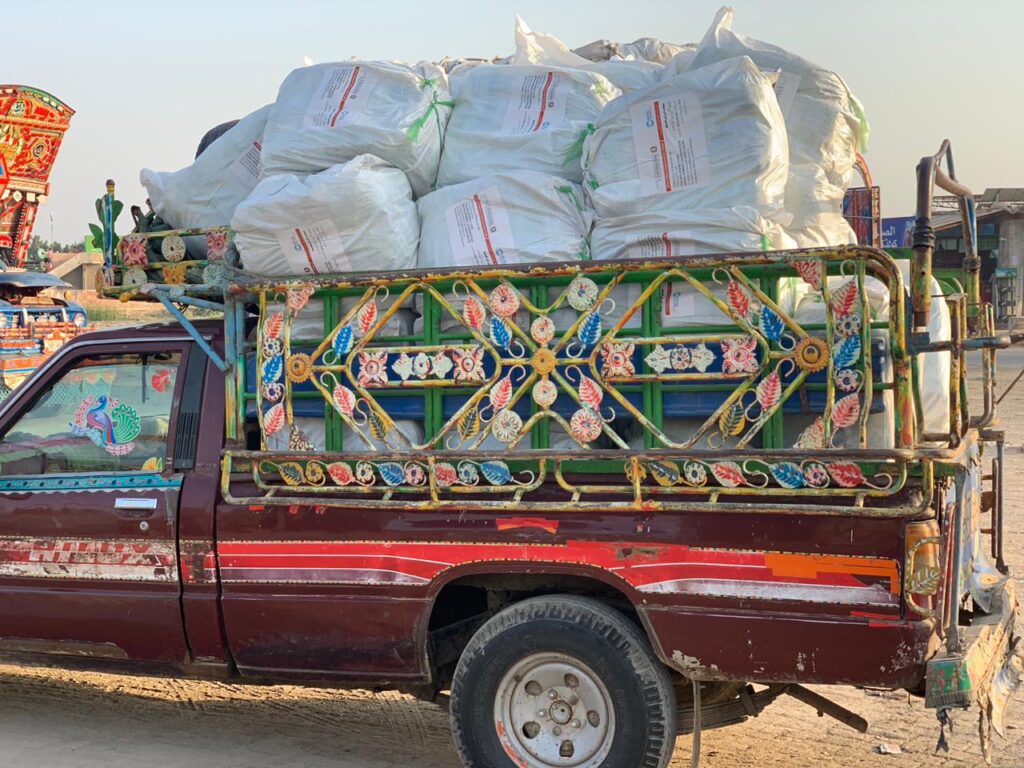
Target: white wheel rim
x,y
552,710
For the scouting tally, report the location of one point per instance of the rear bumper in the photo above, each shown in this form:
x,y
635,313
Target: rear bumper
x,y
985,669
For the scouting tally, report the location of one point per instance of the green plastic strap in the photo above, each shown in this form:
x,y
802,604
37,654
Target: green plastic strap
x,y
567,189
862,119
413,131
766,243
575,152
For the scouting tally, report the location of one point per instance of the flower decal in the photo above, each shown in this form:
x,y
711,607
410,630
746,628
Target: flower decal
x,y
815,475
271,347
738,355
542,329
216,245
468,474
133,251
695,473
469,364
504,300
364,473
545,393
421,366
507,426
848,379
617,359
373,368
680,358
811,354
585,425
415,474
848,325
581,293
298,367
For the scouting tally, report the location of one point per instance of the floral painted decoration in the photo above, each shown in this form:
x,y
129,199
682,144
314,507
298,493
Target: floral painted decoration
x,y
373,368
738,355
504,300
133,251
469,364
617,359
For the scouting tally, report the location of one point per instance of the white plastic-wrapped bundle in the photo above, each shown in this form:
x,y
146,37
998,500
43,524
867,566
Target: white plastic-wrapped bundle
x,y
626,71
206,193
660,234
309,324
355,217
510,218
315,429
824,121
932,375
530,117
330,113
712,137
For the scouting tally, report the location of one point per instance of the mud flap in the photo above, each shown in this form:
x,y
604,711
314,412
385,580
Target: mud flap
x,y
983,671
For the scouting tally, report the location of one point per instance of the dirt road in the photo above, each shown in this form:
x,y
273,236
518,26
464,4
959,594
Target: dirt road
x,y
51,718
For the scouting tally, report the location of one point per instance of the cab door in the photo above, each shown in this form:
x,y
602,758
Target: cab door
x,y
89,505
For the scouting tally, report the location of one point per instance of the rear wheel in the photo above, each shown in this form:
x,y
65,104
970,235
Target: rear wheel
x,y
562,681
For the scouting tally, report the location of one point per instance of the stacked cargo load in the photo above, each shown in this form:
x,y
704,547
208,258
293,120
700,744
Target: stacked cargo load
x,y
643,151
825,125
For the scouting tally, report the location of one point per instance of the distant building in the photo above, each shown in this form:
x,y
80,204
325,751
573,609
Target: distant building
x,y
1000,213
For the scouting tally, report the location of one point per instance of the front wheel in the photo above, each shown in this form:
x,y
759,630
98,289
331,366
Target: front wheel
x,y
562,681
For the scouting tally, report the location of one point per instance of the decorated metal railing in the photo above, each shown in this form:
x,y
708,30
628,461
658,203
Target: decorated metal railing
x,y
571,383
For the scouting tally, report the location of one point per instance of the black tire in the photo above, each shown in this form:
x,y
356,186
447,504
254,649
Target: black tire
x,y
615,650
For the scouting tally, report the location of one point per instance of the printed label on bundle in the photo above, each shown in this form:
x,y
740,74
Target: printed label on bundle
x,y
678,301
786,86
247,167
670,143
342,93
314,248
659,245
541,105
479,230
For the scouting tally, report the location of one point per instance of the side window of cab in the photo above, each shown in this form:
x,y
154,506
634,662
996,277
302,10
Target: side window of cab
x,y
105,413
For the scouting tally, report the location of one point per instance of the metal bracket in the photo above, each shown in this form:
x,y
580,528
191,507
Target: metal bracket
x,y
162,295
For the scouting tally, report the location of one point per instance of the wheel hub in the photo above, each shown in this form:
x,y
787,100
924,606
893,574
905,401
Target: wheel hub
x,y
552,710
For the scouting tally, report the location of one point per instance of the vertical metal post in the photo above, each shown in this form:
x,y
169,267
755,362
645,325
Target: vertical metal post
x,y
237,355
953,635
997,505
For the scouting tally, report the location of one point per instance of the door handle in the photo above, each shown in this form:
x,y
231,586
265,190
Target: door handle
x,y
135,509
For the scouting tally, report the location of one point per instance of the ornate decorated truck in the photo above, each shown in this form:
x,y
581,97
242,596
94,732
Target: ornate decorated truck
x,y
584,522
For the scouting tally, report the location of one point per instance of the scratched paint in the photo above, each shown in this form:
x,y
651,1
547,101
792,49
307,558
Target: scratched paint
x,y
668,569
93,560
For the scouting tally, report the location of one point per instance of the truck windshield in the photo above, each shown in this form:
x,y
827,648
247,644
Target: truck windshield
x,y
107,413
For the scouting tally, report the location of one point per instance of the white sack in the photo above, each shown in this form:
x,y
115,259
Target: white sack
x,y
309,324
933,381
316,430
722,141
661,234
625,72
824,123
330,113
510,218
206,193
354,217
649,49
529,118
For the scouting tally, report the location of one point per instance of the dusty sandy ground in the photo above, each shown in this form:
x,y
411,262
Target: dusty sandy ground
x,y
56,719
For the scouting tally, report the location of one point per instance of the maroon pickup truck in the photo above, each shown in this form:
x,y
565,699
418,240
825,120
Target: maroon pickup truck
x,y
583,525
585,627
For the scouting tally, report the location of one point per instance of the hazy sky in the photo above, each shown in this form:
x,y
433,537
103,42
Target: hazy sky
x,y
148,79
